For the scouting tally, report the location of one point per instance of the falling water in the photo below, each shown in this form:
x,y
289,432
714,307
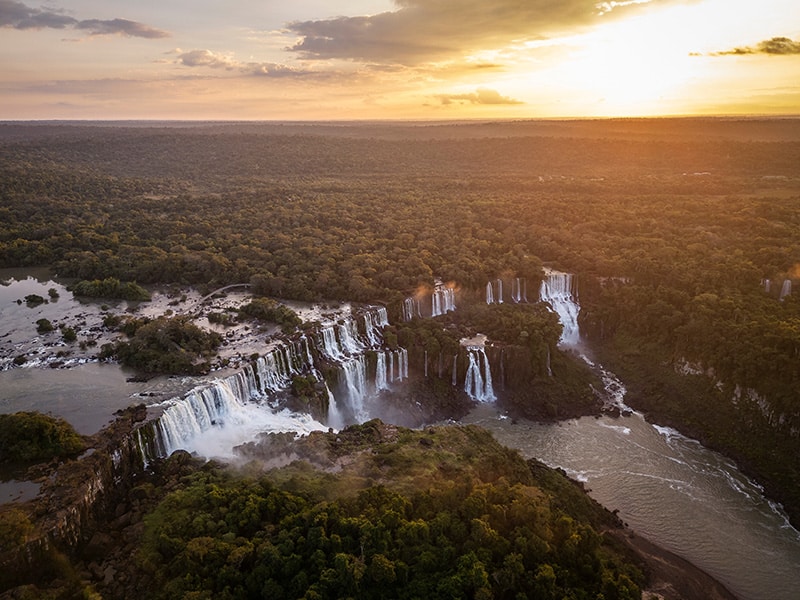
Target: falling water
x,y
557,289
478,382
786,288
489,293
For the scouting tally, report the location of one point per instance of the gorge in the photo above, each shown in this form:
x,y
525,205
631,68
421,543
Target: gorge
x,y
213,419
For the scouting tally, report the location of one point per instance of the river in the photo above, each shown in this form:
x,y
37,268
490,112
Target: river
x,y
666,487
672,491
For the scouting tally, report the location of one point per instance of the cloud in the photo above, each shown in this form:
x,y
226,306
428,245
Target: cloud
x,y
206,58
120,26
774,46
17,15
428,30
481,96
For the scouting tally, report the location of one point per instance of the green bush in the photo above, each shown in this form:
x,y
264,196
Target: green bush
x,y
32,436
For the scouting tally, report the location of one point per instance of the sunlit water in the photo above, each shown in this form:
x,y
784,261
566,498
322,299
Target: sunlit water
x,y
671,490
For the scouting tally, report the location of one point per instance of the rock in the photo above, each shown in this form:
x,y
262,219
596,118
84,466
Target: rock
x,y
99,546
109,574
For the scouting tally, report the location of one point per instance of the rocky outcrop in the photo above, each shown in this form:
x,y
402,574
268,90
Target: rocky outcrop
x,y
75,498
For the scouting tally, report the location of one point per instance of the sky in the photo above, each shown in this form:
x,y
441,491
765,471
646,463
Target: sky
x,y
397,59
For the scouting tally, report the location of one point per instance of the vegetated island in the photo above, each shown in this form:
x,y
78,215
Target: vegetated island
x,y
682,234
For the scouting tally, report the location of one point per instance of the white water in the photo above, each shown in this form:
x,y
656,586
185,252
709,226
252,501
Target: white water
x,y
233,410
519,290
478,381
786,288
557,289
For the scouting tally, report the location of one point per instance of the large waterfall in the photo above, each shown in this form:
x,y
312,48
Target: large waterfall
x,y
559,290
213,418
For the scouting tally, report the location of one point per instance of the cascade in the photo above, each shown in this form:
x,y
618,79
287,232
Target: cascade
x,y
442,301
354,372
411,309
489,293
372,323
519,290
348,334
502,369
557,289
786,288
455,370
307,348
335,417
767,285
213,419
499,291
330,346
478,382
381,373
402,364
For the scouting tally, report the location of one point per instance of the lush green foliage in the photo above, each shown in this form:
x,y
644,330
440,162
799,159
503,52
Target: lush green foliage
x,y
32,436
44,326
112,288
484,529
267,309
165,345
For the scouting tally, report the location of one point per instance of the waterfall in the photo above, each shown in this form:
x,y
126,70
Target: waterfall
x,y
489,293
502,368
402,364
372,323
411,309
786,288
381,378
348,334
426,363
354,372
335,417
442,301
518,284
478,382
499,291
330,346
767,285
212,419
455,370
557,289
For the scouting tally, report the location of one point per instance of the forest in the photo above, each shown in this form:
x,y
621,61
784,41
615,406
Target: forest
x,y
681,232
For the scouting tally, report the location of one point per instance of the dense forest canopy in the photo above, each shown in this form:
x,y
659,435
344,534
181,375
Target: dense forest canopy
x,y
671,225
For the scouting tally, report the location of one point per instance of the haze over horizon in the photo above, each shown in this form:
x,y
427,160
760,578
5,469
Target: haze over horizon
x,y
397,59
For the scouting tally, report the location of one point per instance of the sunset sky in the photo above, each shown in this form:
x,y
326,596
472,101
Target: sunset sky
x,y
396,59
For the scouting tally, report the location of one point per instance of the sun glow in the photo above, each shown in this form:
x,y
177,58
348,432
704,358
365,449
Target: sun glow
x,y
635,67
